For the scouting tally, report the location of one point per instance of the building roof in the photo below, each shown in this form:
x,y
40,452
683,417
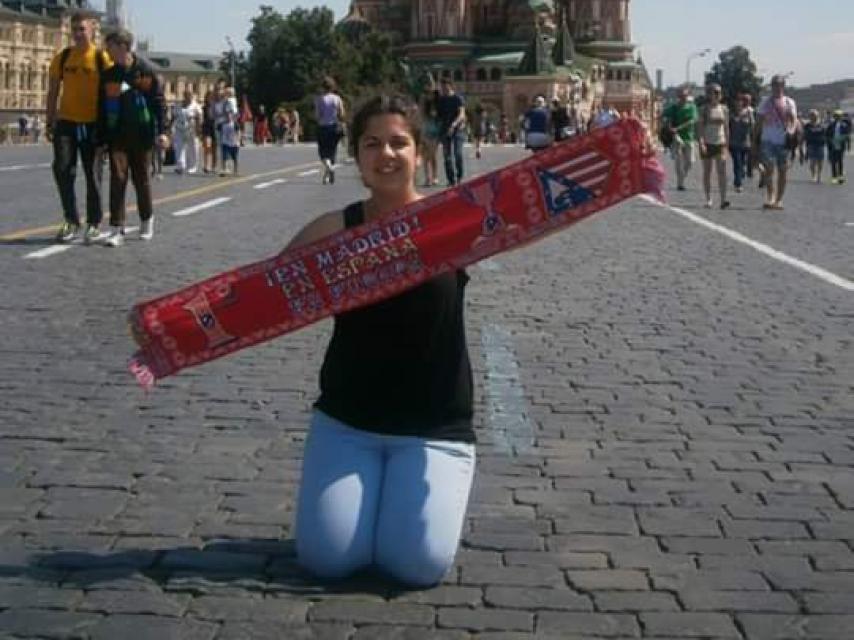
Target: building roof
x,y
507,58
171,62
42,10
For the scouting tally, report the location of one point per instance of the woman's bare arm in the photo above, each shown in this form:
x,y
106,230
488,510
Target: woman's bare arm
x,y
317,229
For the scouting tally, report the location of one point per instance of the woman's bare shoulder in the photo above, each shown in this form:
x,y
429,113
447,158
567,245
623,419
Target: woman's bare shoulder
x,y
319,228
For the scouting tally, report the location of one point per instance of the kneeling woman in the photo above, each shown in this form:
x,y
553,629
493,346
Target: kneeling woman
x,y
389,457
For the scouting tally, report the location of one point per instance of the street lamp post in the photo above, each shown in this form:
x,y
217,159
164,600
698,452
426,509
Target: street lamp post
x,y
696,54
233,56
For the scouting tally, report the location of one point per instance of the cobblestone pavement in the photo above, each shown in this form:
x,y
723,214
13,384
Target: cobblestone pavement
x,y
665,419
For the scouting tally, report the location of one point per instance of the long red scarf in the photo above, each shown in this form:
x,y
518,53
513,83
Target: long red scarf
x,y
379,259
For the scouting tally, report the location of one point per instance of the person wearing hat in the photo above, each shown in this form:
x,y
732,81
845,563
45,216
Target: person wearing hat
x,y
838,136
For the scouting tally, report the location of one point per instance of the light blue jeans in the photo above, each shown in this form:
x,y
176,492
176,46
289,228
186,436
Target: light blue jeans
x,y
395,502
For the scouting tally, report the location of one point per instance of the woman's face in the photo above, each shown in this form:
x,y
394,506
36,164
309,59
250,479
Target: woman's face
x,y
388,155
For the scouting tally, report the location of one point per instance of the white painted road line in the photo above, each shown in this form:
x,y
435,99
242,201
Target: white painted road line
x,y
48,251
20,167
811,269
200,207
265,185
56,249
310,172
508,410
849,224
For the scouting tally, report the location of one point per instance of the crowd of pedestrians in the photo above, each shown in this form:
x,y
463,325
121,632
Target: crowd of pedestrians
x,y
109,104
768,139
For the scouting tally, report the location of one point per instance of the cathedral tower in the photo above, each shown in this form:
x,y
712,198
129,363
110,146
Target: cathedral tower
x,y
116,17
604,25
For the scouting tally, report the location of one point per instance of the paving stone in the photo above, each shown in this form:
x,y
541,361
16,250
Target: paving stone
x,y
357,612
532,598
276,631
794,627
764,529
485,619
631,601
608,580
709,546
135,602
689,625
237,609
46,624
132,627
678,522
798,547
599,520
714,580
598,625
828,603
753,601
830,581
14,596
566,560
515,576
444,595
503,542
371,632
212,560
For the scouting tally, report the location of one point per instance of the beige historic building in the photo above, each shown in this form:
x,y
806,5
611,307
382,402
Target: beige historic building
x,y
180,71
502,53
33,31
30,35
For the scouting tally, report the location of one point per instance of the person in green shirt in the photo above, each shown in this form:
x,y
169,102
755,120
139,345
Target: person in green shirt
x,y
681,117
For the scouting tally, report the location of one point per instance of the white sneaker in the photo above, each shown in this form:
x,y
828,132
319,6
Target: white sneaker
x,y
146,229
116,237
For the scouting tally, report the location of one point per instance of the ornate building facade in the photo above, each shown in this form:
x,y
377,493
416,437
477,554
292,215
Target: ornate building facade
x,y
31,32
502,53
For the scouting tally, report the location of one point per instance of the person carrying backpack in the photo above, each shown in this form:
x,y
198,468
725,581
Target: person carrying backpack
x,y
71,125
131,122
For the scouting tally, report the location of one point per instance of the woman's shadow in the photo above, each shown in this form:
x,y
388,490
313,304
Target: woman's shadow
x,y
254,563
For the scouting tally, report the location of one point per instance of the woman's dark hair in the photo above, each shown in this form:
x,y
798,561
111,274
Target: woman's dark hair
x,y
120,38
328,84
380,106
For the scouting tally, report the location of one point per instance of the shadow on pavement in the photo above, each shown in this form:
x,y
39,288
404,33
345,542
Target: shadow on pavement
x,y
268,564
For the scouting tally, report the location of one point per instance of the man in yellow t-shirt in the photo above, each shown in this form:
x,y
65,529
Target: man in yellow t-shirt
x,y
72,115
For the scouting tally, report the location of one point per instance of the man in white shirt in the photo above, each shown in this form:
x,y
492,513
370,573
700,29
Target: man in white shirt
x,y
776,120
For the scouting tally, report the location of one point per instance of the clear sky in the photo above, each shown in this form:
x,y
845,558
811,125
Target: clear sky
x,y
813,39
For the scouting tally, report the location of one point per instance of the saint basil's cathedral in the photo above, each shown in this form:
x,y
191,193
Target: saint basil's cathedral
x,y
503,53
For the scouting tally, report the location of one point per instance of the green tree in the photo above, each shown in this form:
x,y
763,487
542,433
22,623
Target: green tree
x,y
290,55
240,70
736,73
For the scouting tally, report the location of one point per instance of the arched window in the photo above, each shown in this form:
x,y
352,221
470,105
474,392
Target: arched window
x,y
495,74
481,74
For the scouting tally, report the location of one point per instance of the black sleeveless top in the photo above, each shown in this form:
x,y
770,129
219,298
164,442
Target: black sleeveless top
x,y
401,366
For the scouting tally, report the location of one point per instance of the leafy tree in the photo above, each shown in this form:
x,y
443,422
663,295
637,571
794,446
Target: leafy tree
x,y
289,55
736,73
240,70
